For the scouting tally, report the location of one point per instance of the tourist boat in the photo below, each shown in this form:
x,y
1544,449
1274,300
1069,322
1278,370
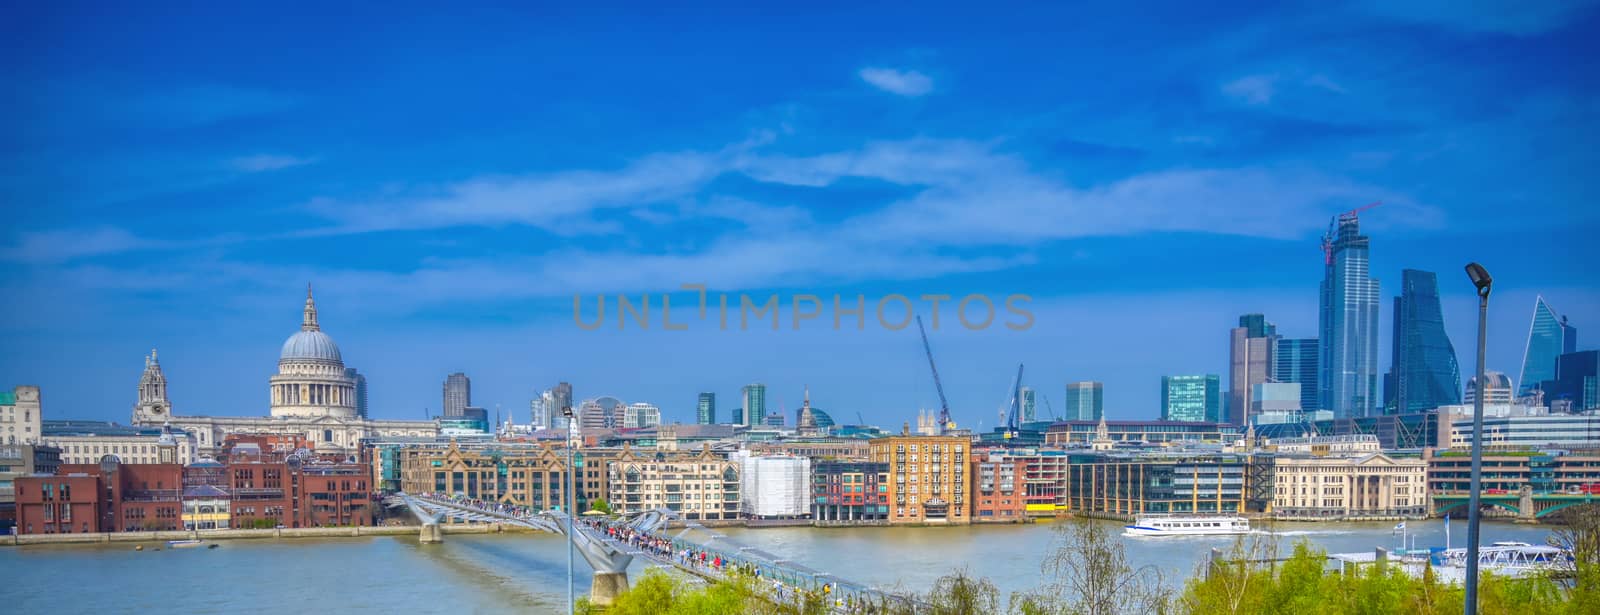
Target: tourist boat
x,y
1194,525
182,544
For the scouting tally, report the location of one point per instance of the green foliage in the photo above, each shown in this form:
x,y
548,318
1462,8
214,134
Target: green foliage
x,y
599,504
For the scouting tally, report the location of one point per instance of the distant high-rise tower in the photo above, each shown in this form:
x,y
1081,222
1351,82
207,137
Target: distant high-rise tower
x,y
1497,392
1085,401
361,390
1348,379
1250,350
538,411
560,400
1028,410
1191,398
1424,374
1548,337
706,411
755,404
457,394
1294,361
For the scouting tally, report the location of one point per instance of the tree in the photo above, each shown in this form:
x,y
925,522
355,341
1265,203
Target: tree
x,y
1089,574
959,593
599,504
1581,534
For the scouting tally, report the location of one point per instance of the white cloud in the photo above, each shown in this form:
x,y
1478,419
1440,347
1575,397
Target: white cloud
x,y
1253,89
267,162
904,83
62,245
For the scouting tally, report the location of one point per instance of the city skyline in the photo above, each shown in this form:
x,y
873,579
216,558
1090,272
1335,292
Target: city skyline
x,y
1144,194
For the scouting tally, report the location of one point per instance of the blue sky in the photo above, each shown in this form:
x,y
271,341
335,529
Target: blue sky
x,y
450,180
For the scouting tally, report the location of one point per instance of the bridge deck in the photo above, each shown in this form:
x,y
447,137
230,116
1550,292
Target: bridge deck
x,y
779,579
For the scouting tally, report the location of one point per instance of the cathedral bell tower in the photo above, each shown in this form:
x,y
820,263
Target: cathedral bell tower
x,y
153,407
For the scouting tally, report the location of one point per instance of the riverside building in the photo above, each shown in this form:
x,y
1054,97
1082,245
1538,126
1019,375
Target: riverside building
x,y
927,478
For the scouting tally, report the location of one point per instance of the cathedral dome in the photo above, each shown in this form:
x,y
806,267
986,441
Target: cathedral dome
x,y
310,343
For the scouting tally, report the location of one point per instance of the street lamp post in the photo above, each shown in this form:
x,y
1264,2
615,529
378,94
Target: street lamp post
x,y
572,499
1480,278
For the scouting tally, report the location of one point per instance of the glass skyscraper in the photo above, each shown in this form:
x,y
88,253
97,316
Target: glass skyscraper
x,y
706,411
1424,374
1295,361
457,394
755,404
1191,398
1348,378
1085,401
1028,410
1548,337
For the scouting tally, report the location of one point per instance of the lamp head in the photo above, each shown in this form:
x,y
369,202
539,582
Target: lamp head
x,y
1480,278
566,411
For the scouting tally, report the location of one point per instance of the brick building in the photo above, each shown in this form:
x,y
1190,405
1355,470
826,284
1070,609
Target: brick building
x,y
999,493
849,492
927,478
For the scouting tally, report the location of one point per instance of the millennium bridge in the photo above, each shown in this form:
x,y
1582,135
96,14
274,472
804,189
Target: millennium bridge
x,y
610,544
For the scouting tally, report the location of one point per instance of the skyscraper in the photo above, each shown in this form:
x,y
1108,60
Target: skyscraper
x,y
361,390
1348,380
1423,372
1250,350
755,404
1085,401
457,394
1294,361
1191,398
556,407
706,411
1028,410
1548,338
1576,387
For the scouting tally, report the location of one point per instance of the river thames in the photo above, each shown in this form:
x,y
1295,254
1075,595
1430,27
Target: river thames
x,y
526,573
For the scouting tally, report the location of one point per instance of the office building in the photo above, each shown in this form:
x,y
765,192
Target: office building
x,y
1498,389
641,414
1295,361
560,400
1369,486
1576,387
1082,433
457,394
20,410
1348,379
538,417
601,413
927,478
1028,409
1250,349
1424,374
1275,398
1085,401
705,412
1548,338
754,397
360,391
1530,428
1450,472
845,492
1126,487
87,442
1191,398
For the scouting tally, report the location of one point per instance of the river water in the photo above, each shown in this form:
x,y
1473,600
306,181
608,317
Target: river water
x,y
526,573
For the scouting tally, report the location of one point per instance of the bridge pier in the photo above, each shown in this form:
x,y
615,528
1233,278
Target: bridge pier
x,y
606,587
1525,509
431,534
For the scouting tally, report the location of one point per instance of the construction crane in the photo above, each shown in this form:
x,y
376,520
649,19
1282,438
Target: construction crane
x,y
944,405
1047,405
1333,229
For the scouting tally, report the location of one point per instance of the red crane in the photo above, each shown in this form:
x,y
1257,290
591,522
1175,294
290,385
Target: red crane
x,y
1333,229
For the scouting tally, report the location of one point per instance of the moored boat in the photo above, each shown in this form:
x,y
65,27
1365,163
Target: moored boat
x,y
183,544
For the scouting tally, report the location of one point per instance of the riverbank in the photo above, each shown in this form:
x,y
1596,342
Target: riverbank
x,y
252,534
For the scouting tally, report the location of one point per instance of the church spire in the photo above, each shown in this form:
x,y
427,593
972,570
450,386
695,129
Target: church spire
x,y
310,322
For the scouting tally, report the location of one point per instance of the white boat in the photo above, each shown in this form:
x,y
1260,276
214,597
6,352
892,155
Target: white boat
x,y
182,544
1196,525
